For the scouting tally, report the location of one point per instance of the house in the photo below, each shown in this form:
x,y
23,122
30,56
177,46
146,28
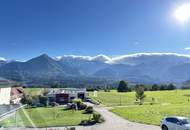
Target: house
x,y
5,92
9,94
5,95
66,95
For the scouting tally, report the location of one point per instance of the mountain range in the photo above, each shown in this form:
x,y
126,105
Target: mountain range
x,y
69,69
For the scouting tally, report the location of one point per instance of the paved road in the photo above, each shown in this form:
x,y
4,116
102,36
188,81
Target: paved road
x,y
113,122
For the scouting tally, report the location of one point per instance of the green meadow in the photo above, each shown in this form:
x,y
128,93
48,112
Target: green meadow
x,y
157,105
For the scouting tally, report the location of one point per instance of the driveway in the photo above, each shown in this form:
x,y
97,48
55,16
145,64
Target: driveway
x,y
112,122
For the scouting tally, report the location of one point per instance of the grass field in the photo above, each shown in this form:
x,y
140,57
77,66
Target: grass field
x,y
44,117
166,103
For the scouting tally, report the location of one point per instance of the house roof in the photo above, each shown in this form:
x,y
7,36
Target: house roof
x,y
16,92
66,90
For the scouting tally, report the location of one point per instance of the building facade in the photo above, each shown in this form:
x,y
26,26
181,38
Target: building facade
x,y
66,95
5,95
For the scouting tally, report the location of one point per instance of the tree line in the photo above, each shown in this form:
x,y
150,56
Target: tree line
x,y
125,87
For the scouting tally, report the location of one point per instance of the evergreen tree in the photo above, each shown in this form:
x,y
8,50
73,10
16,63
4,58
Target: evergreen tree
x,y
123,86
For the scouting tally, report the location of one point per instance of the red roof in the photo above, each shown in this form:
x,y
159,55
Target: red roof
x,y
17,92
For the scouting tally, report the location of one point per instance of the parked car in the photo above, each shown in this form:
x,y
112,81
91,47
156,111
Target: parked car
x,y
175,123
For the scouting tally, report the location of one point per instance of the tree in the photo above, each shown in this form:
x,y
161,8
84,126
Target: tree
x,y
123,87
43,100
163,87
139,89
155,87
171,86
27,99
55,85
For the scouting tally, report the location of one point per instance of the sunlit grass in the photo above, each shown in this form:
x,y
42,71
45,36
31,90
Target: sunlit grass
x,y
114,98
152,114
166,103
44,117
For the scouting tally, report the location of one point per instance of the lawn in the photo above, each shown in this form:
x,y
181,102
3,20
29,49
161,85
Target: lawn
x,y
33,91
114,98
152,114
166,103
44,117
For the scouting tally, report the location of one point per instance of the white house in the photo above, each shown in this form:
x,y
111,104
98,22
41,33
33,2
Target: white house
x,y
5,95
6,91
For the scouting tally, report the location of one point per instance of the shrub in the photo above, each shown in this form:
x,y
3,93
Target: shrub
x,y
43,100
27,99
82,106
89,110
87,122
96,117
77,101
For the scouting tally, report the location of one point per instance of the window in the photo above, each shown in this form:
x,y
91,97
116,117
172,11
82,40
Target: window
x,y
172,120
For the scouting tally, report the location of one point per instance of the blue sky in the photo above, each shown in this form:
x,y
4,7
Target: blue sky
x,y
89,27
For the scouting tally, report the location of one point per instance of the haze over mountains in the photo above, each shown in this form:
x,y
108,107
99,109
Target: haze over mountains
x,y
138,68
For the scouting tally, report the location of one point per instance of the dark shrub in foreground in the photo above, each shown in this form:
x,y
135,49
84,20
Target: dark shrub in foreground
x,y
89,110
97,117
82,106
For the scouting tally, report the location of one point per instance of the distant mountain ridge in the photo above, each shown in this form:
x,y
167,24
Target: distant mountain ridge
x,y
138,68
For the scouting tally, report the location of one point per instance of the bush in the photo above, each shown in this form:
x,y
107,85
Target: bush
x,y
87,122
96,117
43,100
27,99
77,101
82,106
89,110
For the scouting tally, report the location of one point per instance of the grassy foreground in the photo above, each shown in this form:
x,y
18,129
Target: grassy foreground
x,y
44,117
152,114
166,103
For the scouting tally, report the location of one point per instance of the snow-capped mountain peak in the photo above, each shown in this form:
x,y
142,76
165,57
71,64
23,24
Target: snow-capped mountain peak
x,y
2,59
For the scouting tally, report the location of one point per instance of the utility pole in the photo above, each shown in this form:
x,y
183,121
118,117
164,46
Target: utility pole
x,y
16,119
120,99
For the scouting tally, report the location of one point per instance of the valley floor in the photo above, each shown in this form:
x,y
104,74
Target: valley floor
x,y
165,103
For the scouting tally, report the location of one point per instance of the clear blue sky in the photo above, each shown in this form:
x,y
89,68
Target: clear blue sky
x,y
89,27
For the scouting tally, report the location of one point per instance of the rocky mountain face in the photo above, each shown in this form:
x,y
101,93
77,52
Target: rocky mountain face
x,y
141,68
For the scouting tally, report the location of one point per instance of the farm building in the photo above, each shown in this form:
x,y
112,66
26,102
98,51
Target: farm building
x,y
66,95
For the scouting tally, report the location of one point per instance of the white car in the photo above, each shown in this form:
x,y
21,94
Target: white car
x,y
175,123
